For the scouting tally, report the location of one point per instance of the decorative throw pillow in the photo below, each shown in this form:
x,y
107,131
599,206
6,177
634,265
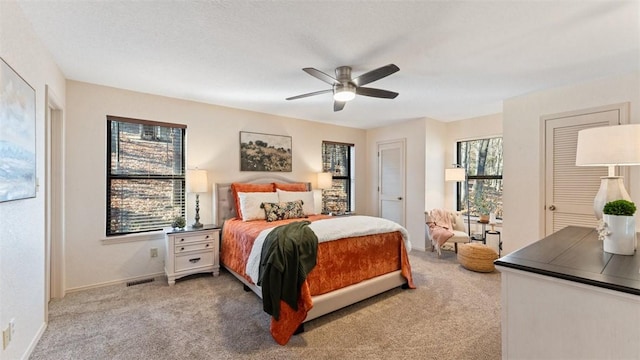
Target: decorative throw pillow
x,y
308,203
246,187
283,210
291,187
250,204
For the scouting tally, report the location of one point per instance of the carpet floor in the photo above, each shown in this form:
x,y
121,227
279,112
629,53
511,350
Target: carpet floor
x,y
453,314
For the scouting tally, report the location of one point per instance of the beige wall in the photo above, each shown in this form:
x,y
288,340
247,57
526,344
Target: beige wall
x,y
523,174
22,222
413,132
212,144
467,129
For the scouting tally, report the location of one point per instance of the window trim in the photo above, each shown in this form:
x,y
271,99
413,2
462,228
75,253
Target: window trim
x,y
144,234
349,179
469,178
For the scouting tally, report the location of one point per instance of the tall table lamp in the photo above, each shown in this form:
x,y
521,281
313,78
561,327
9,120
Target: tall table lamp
x,y
197,183
609,146
459,174
325,181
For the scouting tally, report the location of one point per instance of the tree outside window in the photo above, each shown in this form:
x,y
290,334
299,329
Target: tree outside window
x,y
483,160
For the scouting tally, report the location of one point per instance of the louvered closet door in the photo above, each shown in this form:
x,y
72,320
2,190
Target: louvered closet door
x,y
570,189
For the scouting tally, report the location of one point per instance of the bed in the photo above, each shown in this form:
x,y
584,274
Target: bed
x,y
348,269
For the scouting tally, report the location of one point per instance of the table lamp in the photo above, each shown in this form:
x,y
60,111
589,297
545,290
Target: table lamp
x,y
197,183
325,181
459,174
609,146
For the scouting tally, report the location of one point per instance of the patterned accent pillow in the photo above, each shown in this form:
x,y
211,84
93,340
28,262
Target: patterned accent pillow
x,y
283,210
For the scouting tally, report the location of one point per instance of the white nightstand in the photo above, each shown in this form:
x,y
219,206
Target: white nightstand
x,y
192,251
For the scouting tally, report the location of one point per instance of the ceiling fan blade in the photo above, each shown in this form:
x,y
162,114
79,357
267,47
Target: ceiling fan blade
x,y
320,75
379,93
310,94
338,105
376,74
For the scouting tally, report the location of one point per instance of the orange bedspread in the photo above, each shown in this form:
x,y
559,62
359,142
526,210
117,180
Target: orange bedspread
x,y
340,263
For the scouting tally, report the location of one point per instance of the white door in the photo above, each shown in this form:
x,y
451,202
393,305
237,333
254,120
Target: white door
x,y
391,180
570,189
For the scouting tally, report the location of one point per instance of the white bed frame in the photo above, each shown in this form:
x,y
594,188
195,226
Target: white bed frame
x,y
224,208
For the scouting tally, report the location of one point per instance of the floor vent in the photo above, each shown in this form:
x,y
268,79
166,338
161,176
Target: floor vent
x,y
138,282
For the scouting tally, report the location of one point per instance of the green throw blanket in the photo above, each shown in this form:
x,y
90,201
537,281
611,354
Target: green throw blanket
x,y
288,255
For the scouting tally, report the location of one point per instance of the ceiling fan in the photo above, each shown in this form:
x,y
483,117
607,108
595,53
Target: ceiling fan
x,y
344,88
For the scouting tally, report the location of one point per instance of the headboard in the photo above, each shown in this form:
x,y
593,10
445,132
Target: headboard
x,y
223,203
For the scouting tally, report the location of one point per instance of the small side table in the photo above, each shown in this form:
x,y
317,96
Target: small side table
x,y
191,251
483,235
494,232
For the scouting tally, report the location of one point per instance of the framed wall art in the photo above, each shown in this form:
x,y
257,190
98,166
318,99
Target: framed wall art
x,y
265,152
17,136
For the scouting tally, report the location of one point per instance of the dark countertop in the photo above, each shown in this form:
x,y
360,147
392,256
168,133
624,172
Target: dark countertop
x,y
575,253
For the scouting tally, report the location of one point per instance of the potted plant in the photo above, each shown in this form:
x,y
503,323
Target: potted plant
x,y
484,208
620,227
178,222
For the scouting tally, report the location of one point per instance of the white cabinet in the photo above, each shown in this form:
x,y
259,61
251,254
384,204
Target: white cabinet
x,y
192,251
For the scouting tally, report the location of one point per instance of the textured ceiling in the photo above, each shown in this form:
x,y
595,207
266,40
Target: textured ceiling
x,y
457,59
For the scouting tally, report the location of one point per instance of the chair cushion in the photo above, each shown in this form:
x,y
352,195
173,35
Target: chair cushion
x,y
477,257
459,237
458,222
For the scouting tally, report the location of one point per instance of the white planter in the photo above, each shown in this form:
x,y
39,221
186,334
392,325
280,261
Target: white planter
x,y
620,237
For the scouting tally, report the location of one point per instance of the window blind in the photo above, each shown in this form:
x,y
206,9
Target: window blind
x,y
145,175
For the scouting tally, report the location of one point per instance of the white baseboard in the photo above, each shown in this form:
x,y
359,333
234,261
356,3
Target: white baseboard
x,y
34,342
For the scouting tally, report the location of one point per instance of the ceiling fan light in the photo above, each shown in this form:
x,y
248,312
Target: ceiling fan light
x,y
344,93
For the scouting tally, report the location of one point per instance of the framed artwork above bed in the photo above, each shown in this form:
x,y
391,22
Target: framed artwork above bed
x,y
265,152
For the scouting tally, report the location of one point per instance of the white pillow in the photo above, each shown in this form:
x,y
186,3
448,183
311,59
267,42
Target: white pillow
x,y
250,204
308,206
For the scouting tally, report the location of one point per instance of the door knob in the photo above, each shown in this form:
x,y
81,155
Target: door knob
x,y
552,207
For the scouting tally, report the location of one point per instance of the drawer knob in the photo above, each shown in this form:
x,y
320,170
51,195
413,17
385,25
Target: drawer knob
x,y
207,245
181,249
181,240
194,260
206,237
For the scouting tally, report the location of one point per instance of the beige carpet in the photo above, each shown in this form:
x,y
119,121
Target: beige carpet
x,y
453,314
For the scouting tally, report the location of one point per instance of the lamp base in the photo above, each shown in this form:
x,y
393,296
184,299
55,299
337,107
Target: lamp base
x,y
197,224
611,188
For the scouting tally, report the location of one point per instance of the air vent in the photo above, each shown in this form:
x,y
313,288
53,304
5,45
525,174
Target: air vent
x,y
138,282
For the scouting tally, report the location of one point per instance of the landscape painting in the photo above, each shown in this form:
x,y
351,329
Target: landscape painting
x,y
264,152
17,136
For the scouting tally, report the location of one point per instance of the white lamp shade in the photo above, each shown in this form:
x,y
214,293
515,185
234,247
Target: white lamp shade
x,y
197,181
325,180
457,174
609,146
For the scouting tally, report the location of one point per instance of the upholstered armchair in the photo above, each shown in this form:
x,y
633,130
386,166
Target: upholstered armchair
x,y
438,219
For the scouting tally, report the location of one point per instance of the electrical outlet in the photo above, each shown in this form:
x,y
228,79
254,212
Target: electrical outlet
x,y
154,252
6,337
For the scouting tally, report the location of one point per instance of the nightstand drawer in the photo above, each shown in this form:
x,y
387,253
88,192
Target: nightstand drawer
x,y
194,260
192,238
193,247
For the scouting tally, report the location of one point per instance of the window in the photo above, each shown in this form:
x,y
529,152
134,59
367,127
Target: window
x,y
145,175
338,159
483,160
